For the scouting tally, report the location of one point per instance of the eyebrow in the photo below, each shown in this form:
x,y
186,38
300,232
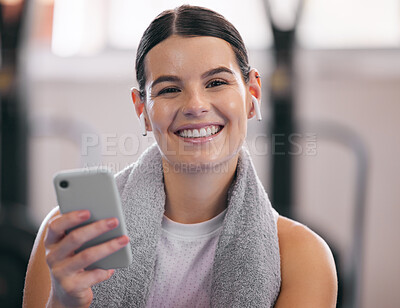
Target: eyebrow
x,y
215,71
211,72
165,78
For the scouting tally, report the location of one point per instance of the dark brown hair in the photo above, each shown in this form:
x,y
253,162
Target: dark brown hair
x,y
189,21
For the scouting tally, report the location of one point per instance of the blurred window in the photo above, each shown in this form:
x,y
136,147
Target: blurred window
x,y
356,24
86,27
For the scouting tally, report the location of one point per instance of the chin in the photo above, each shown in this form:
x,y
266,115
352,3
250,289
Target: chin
x,y
200,163
201,158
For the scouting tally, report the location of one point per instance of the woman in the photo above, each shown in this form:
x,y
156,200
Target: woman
x,y
202,230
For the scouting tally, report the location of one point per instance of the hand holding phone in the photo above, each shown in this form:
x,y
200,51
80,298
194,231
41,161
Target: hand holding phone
x,y
70,283
94,190
88,238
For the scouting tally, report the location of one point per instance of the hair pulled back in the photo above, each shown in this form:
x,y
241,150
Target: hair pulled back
x,y
189,21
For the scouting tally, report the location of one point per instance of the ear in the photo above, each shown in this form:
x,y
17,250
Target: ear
x,y
254,88
140,106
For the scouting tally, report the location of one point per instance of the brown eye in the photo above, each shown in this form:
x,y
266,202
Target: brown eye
x,y
216,83
168,90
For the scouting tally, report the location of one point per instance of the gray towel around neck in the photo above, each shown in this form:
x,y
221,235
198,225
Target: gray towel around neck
x,y
246,270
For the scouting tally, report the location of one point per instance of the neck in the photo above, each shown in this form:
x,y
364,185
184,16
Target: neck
x,y
199,196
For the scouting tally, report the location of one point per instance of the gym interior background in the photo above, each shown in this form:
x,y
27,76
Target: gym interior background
x,y
327,150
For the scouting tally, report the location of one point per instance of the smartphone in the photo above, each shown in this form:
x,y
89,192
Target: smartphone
x,y
95,190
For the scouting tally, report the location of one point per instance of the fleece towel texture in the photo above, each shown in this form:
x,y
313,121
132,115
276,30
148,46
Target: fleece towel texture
x,y
246,270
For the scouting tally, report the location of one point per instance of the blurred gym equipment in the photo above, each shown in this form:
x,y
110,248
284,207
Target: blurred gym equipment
x,y
282,94
16,231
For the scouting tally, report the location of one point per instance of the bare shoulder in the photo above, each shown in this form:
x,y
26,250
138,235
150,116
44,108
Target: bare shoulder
x,y
307,267
37,280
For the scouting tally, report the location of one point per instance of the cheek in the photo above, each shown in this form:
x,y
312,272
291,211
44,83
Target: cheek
x,y
161,117
236,111
236,106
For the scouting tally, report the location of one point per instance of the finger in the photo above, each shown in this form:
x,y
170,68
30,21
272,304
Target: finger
x,y
92,277
79,236
58,225
80,283
95,253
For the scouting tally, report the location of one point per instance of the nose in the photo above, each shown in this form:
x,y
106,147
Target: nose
x,y
195,105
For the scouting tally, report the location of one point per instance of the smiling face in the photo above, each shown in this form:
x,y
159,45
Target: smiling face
x,y
197,102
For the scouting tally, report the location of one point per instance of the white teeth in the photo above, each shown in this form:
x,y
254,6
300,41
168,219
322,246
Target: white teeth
x,y
195,133
203,132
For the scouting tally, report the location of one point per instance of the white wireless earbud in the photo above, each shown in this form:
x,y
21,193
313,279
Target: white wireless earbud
x,y
143,124
256,108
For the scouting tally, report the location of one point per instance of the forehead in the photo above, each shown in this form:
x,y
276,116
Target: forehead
x,y
187,56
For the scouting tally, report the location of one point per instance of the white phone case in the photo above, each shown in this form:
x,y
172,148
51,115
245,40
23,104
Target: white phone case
x,y
94,190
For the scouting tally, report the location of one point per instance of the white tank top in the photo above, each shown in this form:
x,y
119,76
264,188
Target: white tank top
x,y
185,255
